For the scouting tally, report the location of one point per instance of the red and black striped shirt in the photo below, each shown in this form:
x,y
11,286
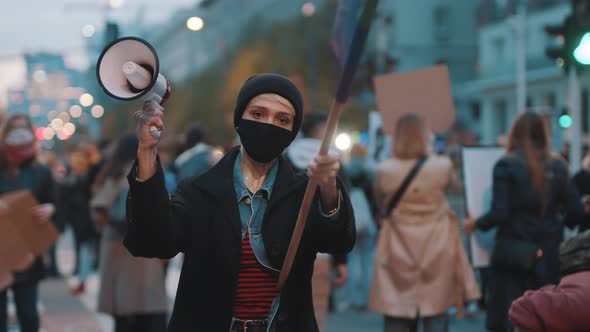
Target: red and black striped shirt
x,y
257,286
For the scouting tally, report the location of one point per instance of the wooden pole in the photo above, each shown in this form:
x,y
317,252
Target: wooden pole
x,y
354,54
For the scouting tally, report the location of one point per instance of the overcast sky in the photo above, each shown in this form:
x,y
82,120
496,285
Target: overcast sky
x,y
55,25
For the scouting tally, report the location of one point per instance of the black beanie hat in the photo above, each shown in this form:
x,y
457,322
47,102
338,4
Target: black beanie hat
x,y
270,83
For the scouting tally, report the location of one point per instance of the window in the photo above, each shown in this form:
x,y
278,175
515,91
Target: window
x,y
499,48
442,24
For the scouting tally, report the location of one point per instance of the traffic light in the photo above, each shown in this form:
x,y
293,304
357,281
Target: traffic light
x,y
561,51
572,38
565,119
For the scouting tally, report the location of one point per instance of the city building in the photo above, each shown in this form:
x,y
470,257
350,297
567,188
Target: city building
x,y
494,90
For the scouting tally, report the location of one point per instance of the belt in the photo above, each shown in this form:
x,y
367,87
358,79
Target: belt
x,y
238,325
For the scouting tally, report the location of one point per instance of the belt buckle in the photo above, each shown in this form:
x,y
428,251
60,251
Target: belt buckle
x,y
246,324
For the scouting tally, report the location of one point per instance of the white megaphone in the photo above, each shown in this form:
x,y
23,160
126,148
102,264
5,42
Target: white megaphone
x,y
128,69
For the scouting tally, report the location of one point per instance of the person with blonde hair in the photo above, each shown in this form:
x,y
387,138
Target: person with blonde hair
x,y
421,269
531,201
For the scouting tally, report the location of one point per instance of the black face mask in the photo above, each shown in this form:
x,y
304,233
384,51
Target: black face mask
x,y
262,141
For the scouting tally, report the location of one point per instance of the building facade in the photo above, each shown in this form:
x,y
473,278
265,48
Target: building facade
x,y
494,90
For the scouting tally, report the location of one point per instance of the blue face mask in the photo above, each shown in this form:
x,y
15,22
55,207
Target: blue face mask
x,y
262,141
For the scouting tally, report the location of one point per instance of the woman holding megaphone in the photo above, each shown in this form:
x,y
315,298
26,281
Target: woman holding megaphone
x,y
234,223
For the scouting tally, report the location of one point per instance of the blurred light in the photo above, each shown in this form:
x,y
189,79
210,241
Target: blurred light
x,y
308,9
39,75
582,51
51,115
57,124
40,133
35,110
88,30
195,23
86,99
343,142
64,116
75,111
116,3
97,111
48,133
63,136
69,128
565,121
560,62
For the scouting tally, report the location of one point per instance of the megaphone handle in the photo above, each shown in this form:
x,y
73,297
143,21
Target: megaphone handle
x,y
156,133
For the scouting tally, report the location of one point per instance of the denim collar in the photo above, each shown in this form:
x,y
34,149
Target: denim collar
x,y
266,188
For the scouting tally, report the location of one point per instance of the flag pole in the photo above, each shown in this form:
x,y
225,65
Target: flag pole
x,y
342,93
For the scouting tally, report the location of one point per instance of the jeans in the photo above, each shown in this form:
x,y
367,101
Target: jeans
x,y
360,270
85,256
25,298
438,323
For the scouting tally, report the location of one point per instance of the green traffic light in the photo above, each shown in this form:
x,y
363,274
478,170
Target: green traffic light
x,y
582,51
565,121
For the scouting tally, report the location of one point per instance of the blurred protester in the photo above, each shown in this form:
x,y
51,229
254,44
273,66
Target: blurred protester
x,y
195,160
360,259
421,269
132,289
75,199
563,307
530,191
19,170
50,159
301,154
582,182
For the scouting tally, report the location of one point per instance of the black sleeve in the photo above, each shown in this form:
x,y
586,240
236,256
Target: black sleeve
x,y
500,208
46,193
574,213
333,235
158,224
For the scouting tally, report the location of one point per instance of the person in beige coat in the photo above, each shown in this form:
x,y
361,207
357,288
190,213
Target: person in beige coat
x,y
420,269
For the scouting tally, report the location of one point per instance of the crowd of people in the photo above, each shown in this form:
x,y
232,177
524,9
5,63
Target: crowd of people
x,y
409,261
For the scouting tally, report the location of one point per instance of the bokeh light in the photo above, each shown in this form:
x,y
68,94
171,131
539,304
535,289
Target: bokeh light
x,y
75,111
86,99
97,111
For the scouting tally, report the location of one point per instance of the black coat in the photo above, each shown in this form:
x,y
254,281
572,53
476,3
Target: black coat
x,y
517,213
582,181
202,220
38,179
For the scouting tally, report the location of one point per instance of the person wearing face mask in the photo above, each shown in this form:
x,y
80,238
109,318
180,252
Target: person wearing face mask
x,y
19,170
234,223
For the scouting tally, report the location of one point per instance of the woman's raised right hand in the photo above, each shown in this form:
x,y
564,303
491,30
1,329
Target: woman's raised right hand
x,y
151,114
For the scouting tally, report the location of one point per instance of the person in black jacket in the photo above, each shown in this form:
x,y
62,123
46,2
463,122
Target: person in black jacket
x,y
532,198
234,223
19,170
582,181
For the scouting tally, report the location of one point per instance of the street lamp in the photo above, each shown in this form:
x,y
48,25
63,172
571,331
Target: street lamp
x,y
308,9
88,30
195,23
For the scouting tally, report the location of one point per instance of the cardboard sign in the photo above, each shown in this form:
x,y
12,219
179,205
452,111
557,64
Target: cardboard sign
x,y
425,92
478,165
20,229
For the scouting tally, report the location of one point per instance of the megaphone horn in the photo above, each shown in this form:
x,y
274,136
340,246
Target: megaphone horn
x,y
128,69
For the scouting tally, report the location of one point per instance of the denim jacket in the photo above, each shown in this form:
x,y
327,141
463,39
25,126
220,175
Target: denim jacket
x,y
252,208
